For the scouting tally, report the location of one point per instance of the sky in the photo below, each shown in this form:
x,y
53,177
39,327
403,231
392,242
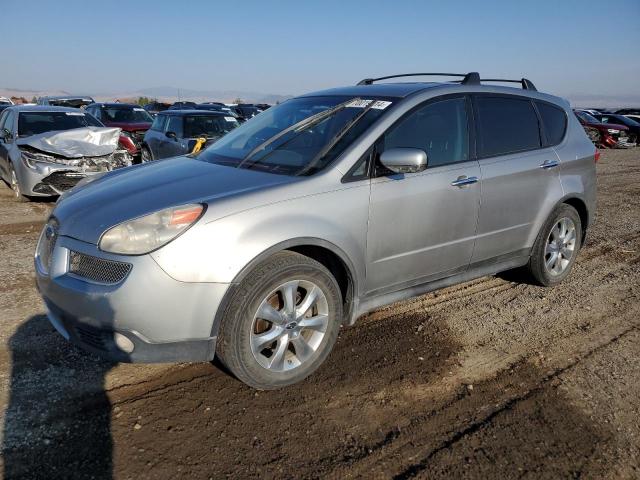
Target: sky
x,y
566,47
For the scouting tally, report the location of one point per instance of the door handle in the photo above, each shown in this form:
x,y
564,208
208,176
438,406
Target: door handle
x,y
550,164
464,180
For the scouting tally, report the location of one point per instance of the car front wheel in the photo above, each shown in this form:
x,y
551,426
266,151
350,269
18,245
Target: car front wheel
x,y
281,322
145,155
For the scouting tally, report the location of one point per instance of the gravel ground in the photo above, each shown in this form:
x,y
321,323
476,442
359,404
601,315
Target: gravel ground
x,y
487,379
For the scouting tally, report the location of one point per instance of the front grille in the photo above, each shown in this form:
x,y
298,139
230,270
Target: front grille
x,y
97,269
63,180
98,339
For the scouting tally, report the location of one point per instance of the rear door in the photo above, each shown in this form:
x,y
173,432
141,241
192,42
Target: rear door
x,y
520,175
422,225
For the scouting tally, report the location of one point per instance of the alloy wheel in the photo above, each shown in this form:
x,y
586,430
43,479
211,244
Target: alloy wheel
x,y
560,247
289,325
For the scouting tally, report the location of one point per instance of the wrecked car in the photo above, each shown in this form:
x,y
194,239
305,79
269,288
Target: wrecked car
x,y
66,101
45,151
132,119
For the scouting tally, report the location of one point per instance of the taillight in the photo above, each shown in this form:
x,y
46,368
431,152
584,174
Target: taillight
x,y
596,156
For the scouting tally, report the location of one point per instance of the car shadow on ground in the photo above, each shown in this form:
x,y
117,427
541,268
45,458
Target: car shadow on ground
x,y
58,419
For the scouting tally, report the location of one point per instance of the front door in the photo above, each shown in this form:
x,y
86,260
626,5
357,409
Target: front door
x,y
422,225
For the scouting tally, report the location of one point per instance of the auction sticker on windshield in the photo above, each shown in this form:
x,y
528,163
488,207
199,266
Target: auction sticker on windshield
x,y
377,104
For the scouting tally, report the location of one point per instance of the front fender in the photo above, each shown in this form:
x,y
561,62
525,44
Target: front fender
x,y
220,250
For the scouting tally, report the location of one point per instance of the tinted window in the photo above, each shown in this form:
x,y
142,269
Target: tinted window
x,y
208,126
440,129
126,115
506,125
159,123
175,126
33,123
554,121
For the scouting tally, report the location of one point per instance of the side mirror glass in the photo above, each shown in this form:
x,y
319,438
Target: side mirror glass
x,y
171,135
404,160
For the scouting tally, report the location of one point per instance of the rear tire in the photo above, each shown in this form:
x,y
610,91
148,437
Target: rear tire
x,y
281,322
556,247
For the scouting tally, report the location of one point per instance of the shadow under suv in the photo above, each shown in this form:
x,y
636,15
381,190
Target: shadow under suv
x,y
320,209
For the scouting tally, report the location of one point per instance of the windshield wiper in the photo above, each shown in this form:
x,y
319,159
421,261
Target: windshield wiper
x,y
301,125
336,138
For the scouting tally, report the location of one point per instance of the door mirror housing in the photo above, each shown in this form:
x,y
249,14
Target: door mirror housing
x,y
171,135
6,136
404,160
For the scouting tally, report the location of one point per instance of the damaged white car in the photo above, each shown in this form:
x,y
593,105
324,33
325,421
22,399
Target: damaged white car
x,y
45,151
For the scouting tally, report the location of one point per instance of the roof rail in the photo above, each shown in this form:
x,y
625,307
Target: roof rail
x,y
471,78
526,84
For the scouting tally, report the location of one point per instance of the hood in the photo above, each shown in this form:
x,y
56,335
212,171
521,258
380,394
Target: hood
x,y
75,143
129,127
86,212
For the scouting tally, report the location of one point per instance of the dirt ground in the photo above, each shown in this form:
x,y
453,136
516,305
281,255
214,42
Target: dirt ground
x,y
488,379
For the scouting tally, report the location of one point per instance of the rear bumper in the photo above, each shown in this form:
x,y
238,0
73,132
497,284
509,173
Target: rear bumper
x,y
164,320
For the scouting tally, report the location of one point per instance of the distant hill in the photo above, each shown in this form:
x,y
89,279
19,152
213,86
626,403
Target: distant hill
x,y
167,94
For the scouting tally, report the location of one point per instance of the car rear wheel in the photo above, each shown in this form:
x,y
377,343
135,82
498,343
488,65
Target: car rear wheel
x,y
15,185
281,322
145,155
556,247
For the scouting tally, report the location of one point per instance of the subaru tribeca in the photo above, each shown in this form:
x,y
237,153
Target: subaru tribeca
x,y
322,208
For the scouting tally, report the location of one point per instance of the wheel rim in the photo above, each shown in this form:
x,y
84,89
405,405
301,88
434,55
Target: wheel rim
x,y
289,325
560,247
145,156
15,186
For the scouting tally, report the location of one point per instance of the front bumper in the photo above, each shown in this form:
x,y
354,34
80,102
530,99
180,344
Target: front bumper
x,y
163,319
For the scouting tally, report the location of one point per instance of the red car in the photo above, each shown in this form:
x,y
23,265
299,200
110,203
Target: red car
x,y
603,135
132,119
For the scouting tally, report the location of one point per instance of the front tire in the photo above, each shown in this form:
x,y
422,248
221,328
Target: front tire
x,y
15,186
145,155
556,247
281,322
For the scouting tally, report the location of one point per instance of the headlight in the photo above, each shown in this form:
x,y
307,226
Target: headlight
x,y
612,130
30,159
148,233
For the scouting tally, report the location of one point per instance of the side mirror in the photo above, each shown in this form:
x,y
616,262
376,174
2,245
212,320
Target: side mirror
x,y
404,160
171,135
5,134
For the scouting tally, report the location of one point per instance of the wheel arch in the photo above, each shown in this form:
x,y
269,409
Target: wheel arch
x,y
324,252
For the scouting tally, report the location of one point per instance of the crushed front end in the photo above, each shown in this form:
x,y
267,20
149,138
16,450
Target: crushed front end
x,y
52,174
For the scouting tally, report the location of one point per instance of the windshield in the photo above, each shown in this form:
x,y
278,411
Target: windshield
x,y
33,123
293,139
208,125
126,115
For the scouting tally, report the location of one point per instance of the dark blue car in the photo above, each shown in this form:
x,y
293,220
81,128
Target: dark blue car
x,y
175,132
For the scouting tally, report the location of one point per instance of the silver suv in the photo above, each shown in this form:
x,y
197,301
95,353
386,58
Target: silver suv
x,y
312,213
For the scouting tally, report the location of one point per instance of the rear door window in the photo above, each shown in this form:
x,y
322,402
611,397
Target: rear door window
x,y
506,125
554,121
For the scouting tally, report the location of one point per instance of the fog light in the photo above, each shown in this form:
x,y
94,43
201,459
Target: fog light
x,y
123,343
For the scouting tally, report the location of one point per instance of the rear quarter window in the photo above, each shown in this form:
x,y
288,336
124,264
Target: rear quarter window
x,y
506,125
554,120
